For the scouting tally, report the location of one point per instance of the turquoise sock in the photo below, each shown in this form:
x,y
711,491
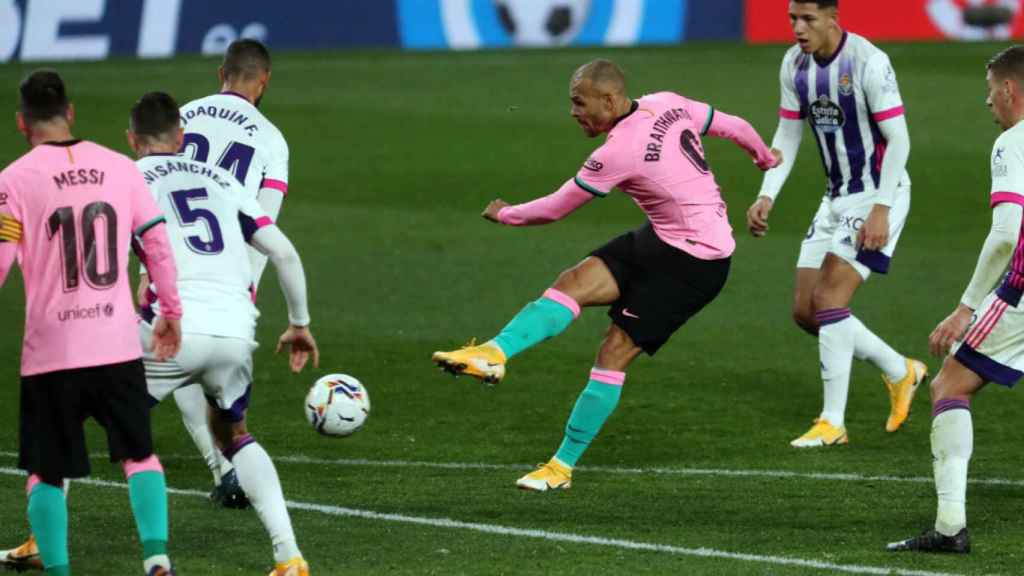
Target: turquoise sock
x,y
48,516
593,407
536,322
64,570
148,494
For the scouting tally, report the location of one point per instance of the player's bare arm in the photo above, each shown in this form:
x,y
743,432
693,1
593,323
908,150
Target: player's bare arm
x,y
301,346
949,331
491,212
874,234
166,338
757,216
142,290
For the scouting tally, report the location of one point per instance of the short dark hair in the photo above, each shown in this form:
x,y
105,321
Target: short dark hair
x,y
43,96
155,116
246,59
1008,63
820,3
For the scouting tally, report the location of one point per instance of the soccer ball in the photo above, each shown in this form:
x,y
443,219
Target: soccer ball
x,y
337,405
542,22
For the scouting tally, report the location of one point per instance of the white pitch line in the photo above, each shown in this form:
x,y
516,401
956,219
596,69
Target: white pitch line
x,y
723,472
567,537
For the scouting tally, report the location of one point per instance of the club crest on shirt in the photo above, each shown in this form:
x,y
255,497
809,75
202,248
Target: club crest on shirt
x,y
845,85
826,115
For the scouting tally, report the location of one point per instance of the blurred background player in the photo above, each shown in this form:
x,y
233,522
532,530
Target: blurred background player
x,y
85,359
654,278
987,325
228,130
847,90
212,220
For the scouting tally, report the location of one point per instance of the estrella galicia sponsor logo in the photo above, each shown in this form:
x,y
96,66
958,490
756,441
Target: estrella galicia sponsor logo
x,y
594,165
86,313
826,115
999,169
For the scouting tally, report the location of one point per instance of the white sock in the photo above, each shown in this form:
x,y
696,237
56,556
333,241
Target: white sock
x,y
158,560
192,404
952,444
835,348
868,346
258,477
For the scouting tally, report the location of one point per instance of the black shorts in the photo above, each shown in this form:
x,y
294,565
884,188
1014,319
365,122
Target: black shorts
x,y
54,406
660,286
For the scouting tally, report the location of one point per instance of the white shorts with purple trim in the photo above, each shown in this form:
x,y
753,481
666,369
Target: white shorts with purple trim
x,y
993,346
221,365
835,227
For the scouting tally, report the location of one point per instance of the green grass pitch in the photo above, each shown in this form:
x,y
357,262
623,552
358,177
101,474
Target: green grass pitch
x,y
393,158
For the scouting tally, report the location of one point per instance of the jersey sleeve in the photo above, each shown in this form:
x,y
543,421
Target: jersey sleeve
x,y
145,212
10,228
251,217
881,88
702,113
609,166
789,102
275,175
1007,172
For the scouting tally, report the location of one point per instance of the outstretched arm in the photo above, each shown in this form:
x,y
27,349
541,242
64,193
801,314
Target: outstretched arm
x,y
269,240
743,134
787,139
550,208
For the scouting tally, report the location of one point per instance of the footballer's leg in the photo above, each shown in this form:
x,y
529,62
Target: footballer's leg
x,y
952,445
593,407
803,299
589,283
193,406
26,556
119,400
842,336
147,491
259,479
228,380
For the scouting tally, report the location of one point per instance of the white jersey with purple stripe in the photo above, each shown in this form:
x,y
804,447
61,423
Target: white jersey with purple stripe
x,y
210,219
226,130
1008,186
844,99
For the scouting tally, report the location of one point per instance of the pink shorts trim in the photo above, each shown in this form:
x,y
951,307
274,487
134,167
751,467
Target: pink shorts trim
x,y
278,185
608,376
1010,197
563,299
789,114
33,481
263,221
133,467
887,114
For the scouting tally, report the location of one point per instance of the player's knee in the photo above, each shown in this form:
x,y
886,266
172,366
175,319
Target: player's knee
x,y
617,350
568,282
944,387
804,318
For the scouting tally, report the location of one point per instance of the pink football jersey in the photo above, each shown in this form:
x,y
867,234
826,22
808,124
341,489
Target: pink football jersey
x,y
655,155
79,204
